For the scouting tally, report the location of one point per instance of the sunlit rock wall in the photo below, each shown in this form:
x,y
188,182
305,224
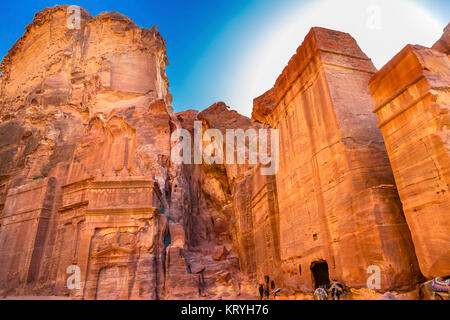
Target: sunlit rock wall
x,y
86,178
336,195
411,97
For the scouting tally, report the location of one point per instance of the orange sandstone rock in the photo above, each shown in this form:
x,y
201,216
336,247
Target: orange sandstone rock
x,y
411,100
87,180
443,44
339,211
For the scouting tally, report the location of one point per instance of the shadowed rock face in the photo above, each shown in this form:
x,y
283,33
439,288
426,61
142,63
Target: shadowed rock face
x,y
87,179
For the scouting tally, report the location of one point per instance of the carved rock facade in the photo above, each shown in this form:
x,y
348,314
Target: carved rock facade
x,y
86,177
339,212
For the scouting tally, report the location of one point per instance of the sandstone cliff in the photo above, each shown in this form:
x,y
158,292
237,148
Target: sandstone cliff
x,y
411,97
87,180
86,177
339,211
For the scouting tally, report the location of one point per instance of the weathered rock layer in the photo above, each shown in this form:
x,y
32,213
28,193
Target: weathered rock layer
x,y
86,176
338,205
87,180
411,97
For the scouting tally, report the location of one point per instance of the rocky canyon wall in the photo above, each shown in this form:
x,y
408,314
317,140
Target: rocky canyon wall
x,y
338,205
87,179
411,97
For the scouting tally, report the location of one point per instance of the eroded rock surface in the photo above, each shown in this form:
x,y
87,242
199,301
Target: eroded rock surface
x,y
86,176
411,97
339,210
443,44
87,179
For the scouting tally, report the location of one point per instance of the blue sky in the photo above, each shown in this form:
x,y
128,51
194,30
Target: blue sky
x,y
208,42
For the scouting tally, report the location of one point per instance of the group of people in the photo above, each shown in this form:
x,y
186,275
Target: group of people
x,y
438,287
265,289
335,288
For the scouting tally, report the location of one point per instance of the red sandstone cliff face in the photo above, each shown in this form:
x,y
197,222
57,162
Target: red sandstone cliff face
x,y
252,202
86,176
338,205
443,44
411,100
